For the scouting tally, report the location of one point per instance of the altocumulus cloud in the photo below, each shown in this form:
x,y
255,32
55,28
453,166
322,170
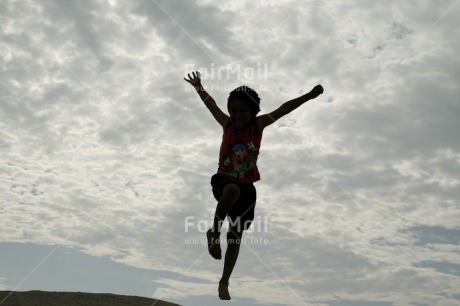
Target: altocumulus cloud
x,y
105,148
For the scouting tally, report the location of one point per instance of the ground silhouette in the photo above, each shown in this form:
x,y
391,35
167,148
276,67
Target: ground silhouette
x,y
39,298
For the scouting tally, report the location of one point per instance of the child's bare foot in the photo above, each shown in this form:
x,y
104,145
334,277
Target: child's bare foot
x,y
223,291
213,245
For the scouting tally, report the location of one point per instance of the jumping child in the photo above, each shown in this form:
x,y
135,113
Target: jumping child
x,y
233,186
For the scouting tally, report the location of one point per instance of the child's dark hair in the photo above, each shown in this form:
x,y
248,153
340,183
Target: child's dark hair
x,y
248,95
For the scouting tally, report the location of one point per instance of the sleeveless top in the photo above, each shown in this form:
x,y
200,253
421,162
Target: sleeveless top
x,y
238,153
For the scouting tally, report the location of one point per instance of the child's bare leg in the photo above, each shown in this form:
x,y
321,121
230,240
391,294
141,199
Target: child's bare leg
x,y
230,195
233,249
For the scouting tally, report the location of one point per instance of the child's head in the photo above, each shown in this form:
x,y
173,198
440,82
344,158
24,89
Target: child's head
x,y
243,105
248,96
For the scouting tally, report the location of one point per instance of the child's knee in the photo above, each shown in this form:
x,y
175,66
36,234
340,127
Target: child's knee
x,y
232,191
234,237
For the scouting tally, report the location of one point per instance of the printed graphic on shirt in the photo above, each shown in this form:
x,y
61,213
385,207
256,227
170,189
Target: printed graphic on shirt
x,y
242,160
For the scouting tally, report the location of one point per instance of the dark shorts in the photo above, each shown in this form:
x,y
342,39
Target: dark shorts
x,y
242,212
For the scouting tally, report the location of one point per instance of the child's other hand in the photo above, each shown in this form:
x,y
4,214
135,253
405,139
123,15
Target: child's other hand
x,y
194,79
316,91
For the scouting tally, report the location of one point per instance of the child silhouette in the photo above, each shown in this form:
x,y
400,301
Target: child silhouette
x,y
232,185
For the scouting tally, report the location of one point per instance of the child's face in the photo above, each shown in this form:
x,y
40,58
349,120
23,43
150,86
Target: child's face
x,y
240,114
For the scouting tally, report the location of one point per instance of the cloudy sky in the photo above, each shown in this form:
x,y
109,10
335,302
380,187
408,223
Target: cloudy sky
x,y
106,153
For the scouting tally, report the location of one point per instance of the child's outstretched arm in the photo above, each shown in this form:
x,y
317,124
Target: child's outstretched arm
x,y
289,106
218,114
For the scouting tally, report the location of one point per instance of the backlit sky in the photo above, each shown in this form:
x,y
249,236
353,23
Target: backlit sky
x,y
106,153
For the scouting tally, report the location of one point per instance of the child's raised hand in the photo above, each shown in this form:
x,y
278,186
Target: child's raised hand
x,y
316,91
194,79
